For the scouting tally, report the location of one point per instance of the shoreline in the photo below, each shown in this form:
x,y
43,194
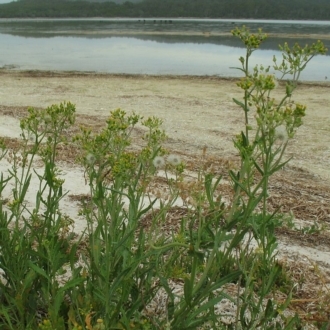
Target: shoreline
x,y
33,73
121,18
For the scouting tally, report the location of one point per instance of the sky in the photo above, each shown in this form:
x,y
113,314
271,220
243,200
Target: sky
x,y
5,1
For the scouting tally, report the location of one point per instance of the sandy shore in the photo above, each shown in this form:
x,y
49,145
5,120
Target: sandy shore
x,y
197,111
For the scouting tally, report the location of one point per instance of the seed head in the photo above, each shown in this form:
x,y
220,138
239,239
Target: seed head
x,y
90,159
281,133
174,160
47,119
158,161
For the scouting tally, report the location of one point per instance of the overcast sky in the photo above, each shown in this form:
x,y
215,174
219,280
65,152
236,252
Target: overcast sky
x,y
5,1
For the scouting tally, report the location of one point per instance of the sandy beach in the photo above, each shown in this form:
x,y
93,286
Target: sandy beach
x,y
197,112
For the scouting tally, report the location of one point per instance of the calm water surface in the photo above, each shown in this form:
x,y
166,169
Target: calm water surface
x,y
178,46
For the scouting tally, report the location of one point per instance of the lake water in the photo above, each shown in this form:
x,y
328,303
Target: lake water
x,y
151,46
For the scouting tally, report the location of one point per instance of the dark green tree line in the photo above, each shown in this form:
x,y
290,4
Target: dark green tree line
x,y
267,9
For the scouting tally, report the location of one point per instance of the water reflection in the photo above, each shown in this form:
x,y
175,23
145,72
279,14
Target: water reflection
x,y
124,47
163,25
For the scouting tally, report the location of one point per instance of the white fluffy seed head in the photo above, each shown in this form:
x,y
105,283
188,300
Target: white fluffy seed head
x,y
281,133
90,159
174,160
158,161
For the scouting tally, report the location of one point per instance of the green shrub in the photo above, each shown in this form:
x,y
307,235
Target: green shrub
x,y
117,268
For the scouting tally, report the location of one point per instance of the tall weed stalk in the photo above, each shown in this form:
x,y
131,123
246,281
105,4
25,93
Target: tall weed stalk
x,y
261,146
34,242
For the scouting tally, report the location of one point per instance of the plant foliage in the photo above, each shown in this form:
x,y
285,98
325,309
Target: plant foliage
x,y
117,267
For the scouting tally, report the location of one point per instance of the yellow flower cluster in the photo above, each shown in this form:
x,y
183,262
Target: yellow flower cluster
x,y
251,41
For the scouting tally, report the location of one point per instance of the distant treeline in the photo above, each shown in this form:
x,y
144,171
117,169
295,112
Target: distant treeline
x,y
266,9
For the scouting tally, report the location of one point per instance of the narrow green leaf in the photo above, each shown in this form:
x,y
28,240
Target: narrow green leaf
x,y
49,175
208,188
193,323
237,68
258,167
238,238
187,289
243,318
72,283
233,276
38,270
145,210
270,312
163,282
58,300
235,177
278,167
28,280
25,188
242,105
244,140
272,278
204,307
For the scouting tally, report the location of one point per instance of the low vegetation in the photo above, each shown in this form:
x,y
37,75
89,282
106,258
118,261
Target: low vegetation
x,y
214,268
